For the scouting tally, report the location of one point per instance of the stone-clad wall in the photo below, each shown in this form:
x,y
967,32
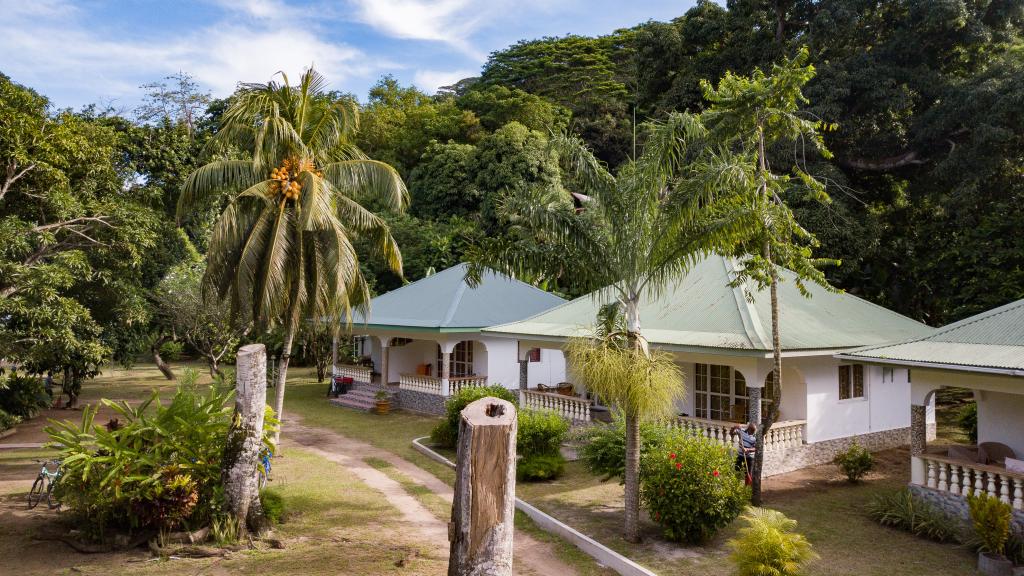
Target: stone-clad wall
x,y
790,459
956,506
416,401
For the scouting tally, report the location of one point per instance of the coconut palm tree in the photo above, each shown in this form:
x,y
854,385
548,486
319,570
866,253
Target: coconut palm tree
x,y
629,236
282,249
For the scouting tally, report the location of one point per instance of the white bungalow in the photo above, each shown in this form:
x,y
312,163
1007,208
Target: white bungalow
x,y
722,340
984,353
424,340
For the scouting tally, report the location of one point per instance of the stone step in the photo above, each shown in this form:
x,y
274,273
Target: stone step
x,y
354,403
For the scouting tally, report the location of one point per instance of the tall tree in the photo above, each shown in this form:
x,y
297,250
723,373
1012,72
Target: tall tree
x,y
282,249
749,117
177,98
638,230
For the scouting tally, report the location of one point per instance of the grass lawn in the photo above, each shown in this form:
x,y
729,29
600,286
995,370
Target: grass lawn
x,y
830,513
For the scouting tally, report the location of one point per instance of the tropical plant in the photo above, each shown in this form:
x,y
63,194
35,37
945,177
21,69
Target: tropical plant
x,y
446,433
631,235
967,420
769,545
539,437
690,487
8,421
272,503
603,446
991,520
281,250
855,462
23,396
905,511
748,118
159,469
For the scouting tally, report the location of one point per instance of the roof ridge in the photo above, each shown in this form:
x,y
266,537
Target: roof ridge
x,y
454,305
956,326
748,314
414,282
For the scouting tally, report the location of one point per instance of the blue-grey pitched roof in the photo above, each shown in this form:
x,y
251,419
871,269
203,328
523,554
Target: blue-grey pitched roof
x,y
445,302
990,341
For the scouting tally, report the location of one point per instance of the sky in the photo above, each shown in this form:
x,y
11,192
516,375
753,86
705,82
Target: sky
x,y
90,51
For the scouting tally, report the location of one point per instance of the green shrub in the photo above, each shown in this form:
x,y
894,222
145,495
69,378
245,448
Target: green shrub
x,y
171,350
904,511
446,433
161,468
8,421
538,467
273,505
24,396
690,488
855,462
540,433
991,521
769,545
967,420
603,446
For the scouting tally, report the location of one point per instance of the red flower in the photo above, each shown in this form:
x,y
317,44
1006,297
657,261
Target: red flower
x,y
679,465
715,473
672,456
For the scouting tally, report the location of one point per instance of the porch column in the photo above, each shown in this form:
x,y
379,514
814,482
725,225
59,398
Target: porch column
x,y
754,404
918,442
446,366
385,347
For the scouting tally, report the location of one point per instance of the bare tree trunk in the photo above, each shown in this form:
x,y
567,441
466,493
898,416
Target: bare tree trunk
x,y
483,509
154,348
282,376
242,449
769,416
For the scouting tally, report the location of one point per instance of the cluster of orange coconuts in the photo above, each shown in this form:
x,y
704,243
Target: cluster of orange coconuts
x,y
286,177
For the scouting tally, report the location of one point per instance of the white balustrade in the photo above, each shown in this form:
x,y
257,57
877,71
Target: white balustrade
x,y
356,373
571,408
961,478
420,383
781,436
457,383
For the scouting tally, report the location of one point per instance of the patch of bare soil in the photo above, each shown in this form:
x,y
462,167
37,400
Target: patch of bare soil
x,y
890,466
531,555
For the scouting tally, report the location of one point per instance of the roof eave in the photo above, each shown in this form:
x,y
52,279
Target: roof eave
x,y
934,365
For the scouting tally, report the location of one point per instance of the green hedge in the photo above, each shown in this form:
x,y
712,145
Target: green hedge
x,y
446,433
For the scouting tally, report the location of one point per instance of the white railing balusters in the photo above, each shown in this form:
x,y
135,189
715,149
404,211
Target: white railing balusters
x,y
782,435
571,408
457,383
420,383
356,373
963,478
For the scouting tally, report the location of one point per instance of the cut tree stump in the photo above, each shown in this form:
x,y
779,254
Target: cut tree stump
x,y
245,438
485,489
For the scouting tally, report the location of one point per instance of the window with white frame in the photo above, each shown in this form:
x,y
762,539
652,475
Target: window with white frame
x,y
461,360
851,381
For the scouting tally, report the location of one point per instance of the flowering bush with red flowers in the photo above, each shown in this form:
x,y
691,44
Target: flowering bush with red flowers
x,y
690,488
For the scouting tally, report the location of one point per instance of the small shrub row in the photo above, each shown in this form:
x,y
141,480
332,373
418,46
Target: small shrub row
x,y
603,446
539,442
446,433
907,512
8,421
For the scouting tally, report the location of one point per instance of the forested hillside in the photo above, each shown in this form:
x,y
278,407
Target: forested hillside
x,y
926,181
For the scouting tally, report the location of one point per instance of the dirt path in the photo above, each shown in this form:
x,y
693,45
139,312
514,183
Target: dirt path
x,y
531,555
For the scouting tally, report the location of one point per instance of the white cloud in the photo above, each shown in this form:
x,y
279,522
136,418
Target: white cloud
x,y
430,80
51,45
450,21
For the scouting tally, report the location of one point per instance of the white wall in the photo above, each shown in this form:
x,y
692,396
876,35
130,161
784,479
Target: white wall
x,y
886,405
503,364
1001,419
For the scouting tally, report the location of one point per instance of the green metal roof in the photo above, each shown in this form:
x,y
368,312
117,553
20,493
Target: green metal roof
x,y
444,302
990,340
701,310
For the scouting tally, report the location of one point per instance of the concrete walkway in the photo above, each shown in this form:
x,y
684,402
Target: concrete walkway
x,y
531,556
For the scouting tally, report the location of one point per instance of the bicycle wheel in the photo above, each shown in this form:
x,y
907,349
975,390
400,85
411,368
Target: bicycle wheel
x,y
36,492
51,500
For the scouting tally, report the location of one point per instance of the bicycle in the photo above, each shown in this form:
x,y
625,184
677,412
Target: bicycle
x,y
263,468
44,485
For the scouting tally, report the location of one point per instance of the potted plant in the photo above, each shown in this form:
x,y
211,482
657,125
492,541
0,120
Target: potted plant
x,y
991,520
383,401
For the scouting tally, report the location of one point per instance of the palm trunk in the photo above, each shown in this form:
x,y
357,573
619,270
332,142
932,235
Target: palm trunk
x,y
632,469
160,364
282,375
